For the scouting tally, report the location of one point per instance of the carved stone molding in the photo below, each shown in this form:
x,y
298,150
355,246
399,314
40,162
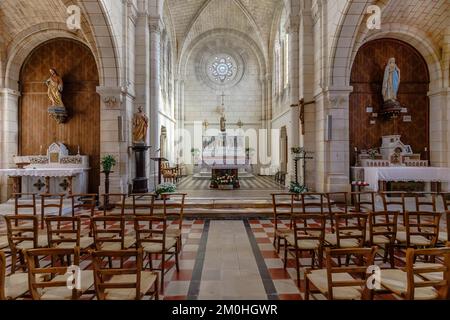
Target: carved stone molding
x,y
111,98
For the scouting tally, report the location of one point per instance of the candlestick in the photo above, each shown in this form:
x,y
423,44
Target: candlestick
x,y
78,150
40,150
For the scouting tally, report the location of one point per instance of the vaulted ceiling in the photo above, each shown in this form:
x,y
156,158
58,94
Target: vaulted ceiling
x,y
193,17
429,16
20,15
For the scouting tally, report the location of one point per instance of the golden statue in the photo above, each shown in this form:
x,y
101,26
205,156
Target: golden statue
x,y
55,88
57,110
140,126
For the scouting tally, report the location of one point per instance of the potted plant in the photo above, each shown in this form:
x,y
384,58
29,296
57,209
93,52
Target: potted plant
x,y
297,189
165,188
108,162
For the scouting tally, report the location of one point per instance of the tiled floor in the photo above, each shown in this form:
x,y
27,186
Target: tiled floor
x,y
232,259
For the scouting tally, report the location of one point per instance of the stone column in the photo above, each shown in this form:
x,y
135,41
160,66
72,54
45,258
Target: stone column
x,y
155,25
306,82
294,132
333,156
9,135
114,136
438,127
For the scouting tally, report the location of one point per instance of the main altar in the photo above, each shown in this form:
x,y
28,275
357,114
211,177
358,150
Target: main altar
x,y
57,172
224,160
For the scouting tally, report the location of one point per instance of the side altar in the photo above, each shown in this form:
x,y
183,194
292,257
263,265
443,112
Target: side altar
x,y
57,172
395,162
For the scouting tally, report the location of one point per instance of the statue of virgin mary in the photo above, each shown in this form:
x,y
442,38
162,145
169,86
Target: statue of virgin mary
x,y
391,81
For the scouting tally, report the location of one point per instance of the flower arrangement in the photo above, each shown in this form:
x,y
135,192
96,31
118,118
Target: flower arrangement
x,y
108,162
297,188
225,180
166,188
372,153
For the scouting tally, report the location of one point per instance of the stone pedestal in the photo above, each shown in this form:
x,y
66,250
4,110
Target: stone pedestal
x,y
140,183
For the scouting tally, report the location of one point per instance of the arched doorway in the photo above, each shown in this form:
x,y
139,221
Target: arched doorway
x,y
366,124
77,67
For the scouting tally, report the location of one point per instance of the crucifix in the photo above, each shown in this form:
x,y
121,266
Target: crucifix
x,y
302,105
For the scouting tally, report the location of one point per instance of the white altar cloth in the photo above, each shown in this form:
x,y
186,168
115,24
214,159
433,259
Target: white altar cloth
x,y
47,172
77,182
372,175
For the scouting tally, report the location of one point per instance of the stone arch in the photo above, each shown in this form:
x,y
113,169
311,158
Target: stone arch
x,y
185,56
108,60
191,32
415,37
341,49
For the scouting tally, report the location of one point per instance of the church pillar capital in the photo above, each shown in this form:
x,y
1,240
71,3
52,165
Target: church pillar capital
x,y
155,25
111,97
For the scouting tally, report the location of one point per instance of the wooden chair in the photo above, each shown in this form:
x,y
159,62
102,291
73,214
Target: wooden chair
x,y
337,203
309,233
143,204
350,231
62,235
151,235
84,204
420,281
173,210
363,201
170,174
422,201
338,283
446,201
383,232
109,234
123,283
444,236
50,282
313,203
395,201
283,207
20,203
13,286
23,235
117,201
51,201
422,230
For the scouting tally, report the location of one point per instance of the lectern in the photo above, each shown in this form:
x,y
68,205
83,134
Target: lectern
x,y
159,161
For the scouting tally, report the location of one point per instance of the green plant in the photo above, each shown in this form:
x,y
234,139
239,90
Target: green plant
x,y
166,188
108,162
297,188
296,150
195,152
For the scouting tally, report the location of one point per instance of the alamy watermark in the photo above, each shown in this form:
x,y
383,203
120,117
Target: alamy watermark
x,y
374,20
74,19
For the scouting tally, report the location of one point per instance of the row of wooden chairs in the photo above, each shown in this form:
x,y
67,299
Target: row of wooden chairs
x,y
52,277
418,281
87,203
158,235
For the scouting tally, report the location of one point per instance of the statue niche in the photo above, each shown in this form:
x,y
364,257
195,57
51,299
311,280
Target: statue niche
x,y
55,86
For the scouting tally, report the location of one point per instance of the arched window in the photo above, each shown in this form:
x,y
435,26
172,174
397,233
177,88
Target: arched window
x,y
286,61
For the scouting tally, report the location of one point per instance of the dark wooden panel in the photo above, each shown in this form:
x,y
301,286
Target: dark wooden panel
x,y
367,79
76,65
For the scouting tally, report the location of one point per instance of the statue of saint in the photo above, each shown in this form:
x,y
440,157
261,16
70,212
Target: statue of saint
x,y
140,126
55,88
223,124
391,81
